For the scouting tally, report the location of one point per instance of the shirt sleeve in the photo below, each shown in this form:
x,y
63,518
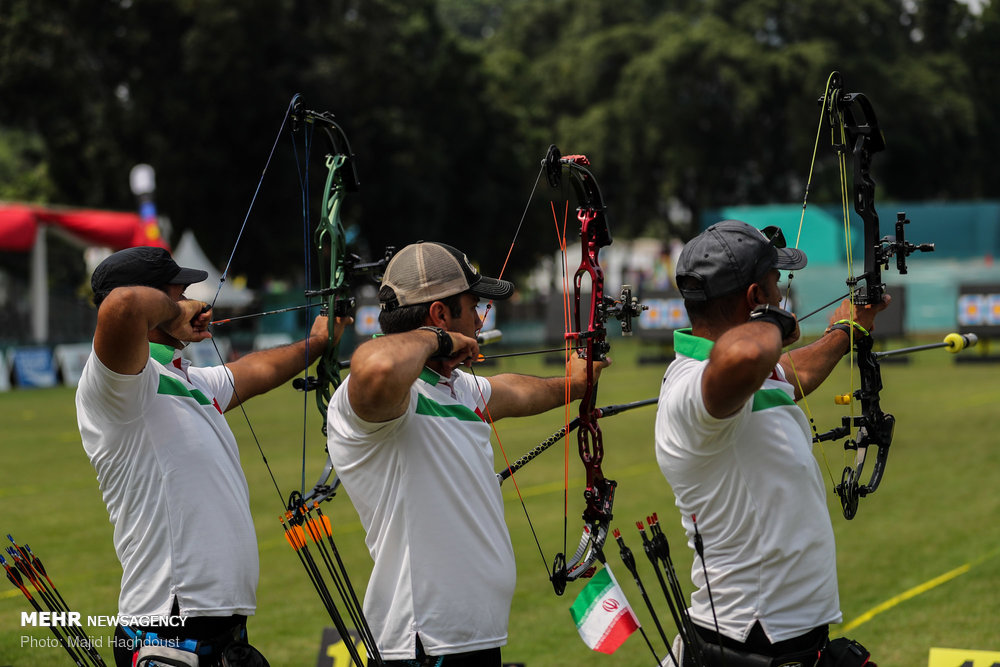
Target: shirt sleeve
x,y
344,425
116,397
686,418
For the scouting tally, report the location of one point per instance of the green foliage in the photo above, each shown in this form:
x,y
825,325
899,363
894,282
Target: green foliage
x,y
24,175
934,512
450,105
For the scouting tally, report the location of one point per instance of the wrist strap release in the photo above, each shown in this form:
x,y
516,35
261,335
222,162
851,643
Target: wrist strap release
x,y
445,344
845,326
779,317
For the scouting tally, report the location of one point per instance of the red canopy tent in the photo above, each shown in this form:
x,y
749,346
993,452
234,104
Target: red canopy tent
x,y
23,227
19,225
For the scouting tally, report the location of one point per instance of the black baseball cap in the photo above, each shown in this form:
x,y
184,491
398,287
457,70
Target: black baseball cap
x,y
143,265
730,255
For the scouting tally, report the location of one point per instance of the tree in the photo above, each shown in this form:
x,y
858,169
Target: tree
x,y
198,89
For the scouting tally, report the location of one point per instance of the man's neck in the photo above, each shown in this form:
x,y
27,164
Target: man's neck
x,y
160,336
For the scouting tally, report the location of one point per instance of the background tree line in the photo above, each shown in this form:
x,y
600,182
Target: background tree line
x,y
451,104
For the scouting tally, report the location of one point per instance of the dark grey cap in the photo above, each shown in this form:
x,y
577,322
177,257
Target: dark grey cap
x,y
729,256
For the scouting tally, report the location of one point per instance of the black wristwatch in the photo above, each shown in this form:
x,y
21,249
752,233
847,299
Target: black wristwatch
x,y
779,317
445,344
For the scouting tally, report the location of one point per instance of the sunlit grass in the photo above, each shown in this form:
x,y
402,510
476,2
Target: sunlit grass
x,y
935,511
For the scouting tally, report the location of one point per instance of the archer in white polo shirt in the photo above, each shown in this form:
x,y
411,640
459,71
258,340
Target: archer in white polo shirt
x,y
737,450
409,439
167,463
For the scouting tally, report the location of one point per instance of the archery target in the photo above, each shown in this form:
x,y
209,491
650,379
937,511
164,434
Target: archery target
x,y
993,309
366,320
665,314
972,309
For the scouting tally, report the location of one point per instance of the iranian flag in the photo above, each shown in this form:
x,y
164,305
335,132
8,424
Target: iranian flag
x,y
603,616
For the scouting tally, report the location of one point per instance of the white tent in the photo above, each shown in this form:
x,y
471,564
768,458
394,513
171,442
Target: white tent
x,y
189,253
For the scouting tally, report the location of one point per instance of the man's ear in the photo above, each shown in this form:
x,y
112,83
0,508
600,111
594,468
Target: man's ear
x,y
755,296
437,314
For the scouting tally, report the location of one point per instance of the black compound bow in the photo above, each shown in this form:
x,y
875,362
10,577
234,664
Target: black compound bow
x,y
855,131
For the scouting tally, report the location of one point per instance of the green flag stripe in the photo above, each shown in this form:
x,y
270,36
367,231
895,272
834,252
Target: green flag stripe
x,y
594,590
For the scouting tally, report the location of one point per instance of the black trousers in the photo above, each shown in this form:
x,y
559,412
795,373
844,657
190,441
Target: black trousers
x,y
757,650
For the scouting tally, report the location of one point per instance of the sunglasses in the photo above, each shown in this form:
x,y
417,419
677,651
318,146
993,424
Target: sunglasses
x,y
774,236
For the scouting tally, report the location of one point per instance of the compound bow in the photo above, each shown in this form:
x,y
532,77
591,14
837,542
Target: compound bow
x,y
854,129
337,270
599,492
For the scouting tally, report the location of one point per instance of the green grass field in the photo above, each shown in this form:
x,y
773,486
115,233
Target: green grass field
x,y
935,516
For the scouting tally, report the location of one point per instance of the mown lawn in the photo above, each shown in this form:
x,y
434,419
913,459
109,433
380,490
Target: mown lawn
x,y
935,514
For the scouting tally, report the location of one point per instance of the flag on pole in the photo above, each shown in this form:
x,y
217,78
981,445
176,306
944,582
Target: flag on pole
x,y
603,616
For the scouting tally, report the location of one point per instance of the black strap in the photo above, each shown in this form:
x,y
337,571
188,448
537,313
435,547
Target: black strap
x,y
445,344
779,317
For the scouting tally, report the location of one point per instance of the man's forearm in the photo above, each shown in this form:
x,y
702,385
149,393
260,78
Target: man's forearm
x,y
811,364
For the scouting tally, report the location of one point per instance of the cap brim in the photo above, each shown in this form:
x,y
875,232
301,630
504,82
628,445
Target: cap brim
x,y
188,277
790,259
491,288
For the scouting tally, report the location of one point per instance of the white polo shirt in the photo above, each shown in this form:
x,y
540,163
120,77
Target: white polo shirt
x,y
758,494
424,487
169,470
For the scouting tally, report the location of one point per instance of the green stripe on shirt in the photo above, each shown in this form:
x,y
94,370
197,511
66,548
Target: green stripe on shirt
x,y
161,353
698,348
771,398
431,408
174,387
